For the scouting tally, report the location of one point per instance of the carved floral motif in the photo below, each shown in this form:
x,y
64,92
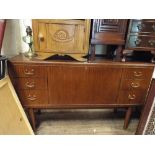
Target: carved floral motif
x,y
62,36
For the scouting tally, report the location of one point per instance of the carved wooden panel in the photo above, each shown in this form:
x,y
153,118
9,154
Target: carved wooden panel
x,y
109,25
109,31
65,38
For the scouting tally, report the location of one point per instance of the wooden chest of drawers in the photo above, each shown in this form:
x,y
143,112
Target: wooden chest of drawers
x,y
141,35
58,84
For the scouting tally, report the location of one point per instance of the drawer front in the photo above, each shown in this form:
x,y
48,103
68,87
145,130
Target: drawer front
x,y
31,83
140,41
131,97
137,73
29,71
130,84
33,97
142,26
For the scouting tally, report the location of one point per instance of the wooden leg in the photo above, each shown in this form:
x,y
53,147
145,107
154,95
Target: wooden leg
x,y
127,117
153,59
32,118
115,110
92,54
119,53
39,111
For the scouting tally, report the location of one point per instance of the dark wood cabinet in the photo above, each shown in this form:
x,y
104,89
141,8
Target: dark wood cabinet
x,y
59,84
108,32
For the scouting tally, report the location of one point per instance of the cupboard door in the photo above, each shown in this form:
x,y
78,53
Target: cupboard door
x,y
83,85
61,36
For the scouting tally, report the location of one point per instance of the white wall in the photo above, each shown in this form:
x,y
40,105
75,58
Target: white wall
x,y
12,43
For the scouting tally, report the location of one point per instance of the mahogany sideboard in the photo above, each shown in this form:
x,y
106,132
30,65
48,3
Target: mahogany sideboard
x,y
71,84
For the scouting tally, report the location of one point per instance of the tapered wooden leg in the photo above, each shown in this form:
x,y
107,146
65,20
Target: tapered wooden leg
x,y
32,118
115,110
153,59
119,53
39,111
127,117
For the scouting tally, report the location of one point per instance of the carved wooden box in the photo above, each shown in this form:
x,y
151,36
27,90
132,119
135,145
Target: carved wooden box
x,y
63,37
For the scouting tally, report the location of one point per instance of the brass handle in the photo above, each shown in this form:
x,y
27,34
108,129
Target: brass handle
x,y
140,26
151,42
138,41
153,27
31,97
131,97
41,37
30,84
135,85
137,74
31,72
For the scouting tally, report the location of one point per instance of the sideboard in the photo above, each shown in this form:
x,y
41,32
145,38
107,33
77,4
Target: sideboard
x,y
70,84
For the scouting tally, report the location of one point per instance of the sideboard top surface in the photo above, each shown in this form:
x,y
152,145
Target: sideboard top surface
x,y
20,59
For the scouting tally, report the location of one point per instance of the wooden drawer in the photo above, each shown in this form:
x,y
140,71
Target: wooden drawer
x,y
137,84
132,97
140,41
29,71
138,73
142,26
31,83
33,97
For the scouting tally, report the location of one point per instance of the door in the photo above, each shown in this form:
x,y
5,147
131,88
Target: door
x,y
73,85
13,120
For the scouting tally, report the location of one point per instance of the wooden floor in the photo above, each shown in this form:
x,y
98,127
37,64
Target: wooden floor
x,y
84,122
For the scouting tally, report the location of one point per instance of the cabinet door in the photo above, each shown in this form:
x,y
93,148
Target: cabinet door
x,y
83,85
61,36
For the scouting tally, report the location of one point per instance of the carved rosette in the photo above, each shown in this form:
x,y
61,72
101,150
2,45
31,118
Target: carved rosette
x,y
62,36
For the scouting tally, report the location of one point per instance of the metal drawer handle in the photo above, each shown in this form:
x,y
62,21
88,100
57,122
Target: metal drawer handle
x,y
31,97
135,85
151,42
153,27
138,41
31,72
140,26
30,84
137,74
131,97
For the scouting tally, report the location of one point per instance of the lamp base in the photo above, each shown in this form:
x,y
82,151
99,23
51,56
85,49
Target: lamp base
x,y
30,54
